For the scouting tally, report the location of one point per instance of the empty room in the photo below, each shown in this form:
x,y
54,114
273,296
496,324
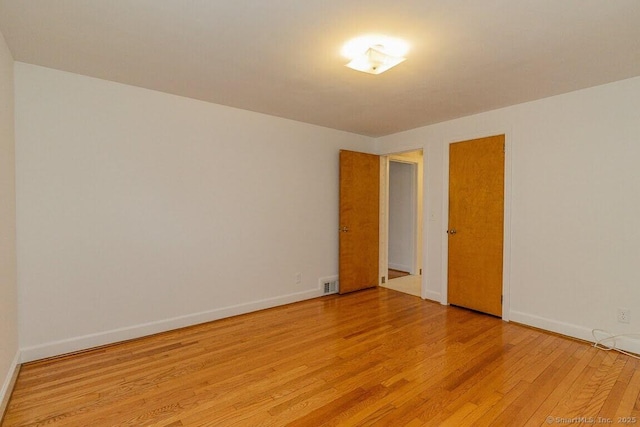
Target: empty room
x,y
306,213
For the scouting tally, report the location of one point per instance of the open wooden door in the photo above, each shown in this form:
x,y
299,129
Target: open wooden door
x,y
359,220
476,224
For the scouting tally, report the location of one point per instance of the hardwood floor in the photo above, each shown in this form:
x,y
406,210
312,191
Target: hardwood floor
x,y
375,357
394,274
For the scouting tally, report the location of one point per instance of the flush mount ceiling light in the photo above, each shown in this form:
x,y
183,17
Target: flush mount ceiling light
x,y
374,54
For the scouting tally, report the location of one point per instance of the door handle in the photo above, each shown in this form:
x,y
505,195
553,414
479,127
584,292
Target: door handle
x,y
452,231
343,229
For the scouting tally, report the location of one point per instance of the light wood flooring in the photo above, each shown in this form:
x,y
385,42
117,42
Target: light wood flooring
x,y
409,284
394,274
375,357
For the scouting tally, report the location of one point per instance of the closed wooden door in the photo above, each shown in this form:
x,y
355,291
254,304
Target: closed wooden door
x,y
359,220
476,224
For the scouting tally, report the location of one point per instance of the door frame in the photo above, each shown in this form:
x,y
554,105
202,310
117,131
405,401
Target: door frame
x,y
419,246
506,245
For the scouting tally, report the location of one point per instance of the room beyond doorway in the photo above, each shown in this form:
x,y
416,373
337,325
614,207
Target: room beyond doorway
x,y
401,222
394,274
408,284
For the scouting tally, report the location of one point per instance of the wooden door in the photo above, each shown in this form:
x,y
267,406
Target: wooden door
x,y
359,220
476,224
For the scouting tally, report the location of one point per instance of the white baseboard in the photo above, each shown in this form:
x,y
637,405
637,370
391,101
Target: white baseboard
x,y
70,345
571,330
8,383
399,267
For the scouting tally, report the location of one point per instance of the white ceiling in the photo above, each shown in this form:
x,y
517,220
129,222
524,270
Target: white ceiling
x,y
282,57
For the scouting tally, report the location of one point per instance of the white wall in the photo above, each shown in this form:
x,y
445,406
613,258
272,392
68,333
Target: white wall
x,y
8,289
575,180
402,210
140,211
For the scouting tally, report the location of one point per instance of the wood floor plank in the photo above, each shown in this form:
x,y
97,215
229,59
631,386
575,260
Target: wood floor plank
x,y
630,401
376,357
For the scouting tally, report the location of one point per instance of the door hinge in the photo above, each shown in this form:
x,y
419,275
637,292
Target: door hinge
x,y
501,299
504,147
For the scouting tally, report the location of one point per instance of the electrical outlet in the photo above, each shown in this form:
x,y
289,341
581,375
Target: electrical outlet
x,y
624,315
298,278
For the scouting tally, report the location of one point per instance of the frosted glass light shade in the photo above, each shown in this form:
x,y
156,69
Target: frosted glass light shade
x,y
374,61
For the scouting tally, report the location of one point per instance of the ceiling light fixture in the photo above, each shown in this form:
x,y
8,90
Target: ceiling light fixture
x,y
374,54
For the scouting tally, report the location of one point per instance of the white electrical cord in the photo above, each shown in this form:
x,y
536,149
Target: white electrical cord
x,y
599,342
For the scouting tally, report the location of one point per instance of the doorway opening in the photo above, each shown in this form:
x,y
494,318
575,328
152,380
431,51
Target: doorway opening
x,y
401,222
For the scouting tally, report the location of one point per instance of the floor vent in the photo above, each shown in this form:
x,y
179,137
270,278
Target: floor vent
x,y
329,285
